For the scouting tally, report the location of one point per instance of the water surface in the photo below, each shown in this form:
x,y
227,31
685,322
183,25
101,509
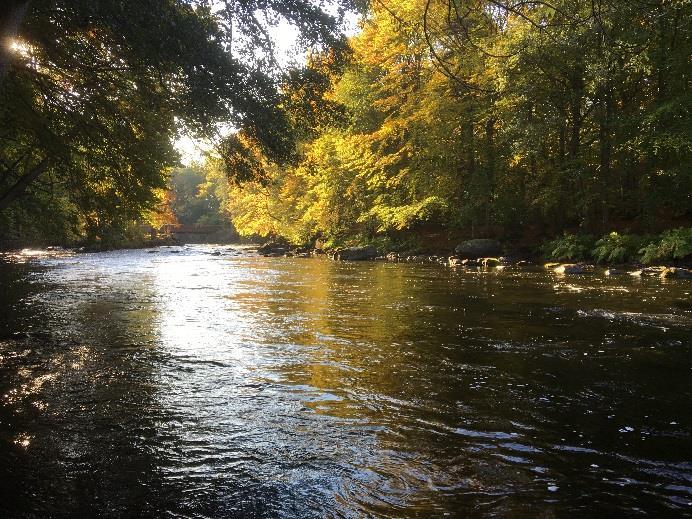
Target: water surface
x,y
184,384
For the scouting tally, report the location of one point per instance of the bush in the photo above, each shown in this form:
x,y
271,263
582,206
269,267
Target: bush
x,y
570,247
673,244
618,248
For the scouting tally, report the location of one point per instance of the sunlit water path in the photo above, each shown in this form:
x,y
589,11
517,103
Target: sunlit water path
x,y
185,384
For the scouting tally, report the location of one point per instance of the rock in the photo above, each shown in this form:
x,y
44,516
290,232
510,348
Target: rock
x,y
453,261
470,263
570,268
392,256
551,265
523,263
272,248
676,273
613,272
215,253
648,272
489,262
481,248
152,251
355,254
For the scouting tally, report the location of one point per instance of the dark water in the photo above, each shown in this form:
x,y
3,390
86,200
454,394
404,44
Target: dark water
x,y
192,385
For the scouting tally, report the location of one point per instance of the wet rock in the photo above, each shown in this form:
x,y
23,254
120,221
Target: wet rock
x,y
215,253
152,251
613,272
489,262
355,254
480,248
471,263
272,248
523,263
551,265
570,268
648,272
676,273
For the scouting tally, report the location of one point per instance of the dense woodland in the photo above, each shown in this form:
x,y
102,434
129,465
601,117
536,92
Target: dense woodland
x,y
516,120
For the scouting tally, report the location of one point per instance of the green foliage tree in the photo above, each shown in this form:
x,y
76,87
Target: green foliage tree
x,y
92,94
502,118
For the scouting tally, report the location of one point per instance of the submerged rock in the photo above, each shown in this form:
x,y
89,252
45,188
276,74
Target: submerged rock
x,y
480,248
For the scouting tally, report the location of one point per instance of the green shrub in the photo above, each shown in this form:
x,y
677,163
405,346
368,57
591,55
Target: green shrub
x,y
617,248
673,244
569,247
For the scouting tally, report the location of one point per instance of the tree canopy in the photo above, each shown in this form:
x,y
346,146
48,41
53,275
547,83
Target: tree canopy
x,y
496,117
92,94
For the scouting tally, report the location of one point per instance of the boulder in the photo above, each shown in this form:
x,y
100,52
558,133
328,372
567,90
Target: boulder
x,y
272,248
613,272
676,273
570,268
355,254
480,248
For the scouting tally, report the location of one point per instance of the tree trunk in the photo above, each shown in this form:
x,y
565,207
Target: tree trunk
x,y
19,187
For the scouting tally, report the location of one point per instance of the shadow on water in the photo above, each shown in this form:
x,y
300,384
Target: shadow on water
x,y
189,384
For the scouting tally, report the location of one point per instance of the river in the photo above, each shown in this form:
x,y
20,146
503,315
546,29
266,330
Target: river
x,y
179,383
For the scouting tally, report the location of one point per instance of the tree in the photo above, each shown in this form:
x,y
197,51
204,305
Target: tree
x,y
91,93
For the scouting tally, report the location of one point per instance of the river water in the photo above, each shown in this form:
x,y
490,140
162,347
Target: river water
x,y
185,384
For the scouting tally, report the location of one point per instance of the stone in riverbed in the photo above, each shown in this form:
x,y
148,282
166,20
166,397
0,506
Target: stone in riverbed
x,y
676,273
570,268
489,262
355,254
648,272
272,248
613,272
480,248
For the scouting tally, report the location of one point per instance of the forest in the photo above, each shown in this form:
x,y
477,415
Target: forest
x,y
523,121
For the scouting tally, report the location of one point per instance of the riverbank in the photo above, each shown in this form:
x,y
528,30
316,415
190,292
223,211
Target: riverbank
x,y
487,254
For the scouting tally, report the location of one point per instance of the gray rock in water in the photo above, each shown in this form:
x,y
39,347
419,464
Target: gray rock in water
x,y
355,254
272,248
613,272
481,248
